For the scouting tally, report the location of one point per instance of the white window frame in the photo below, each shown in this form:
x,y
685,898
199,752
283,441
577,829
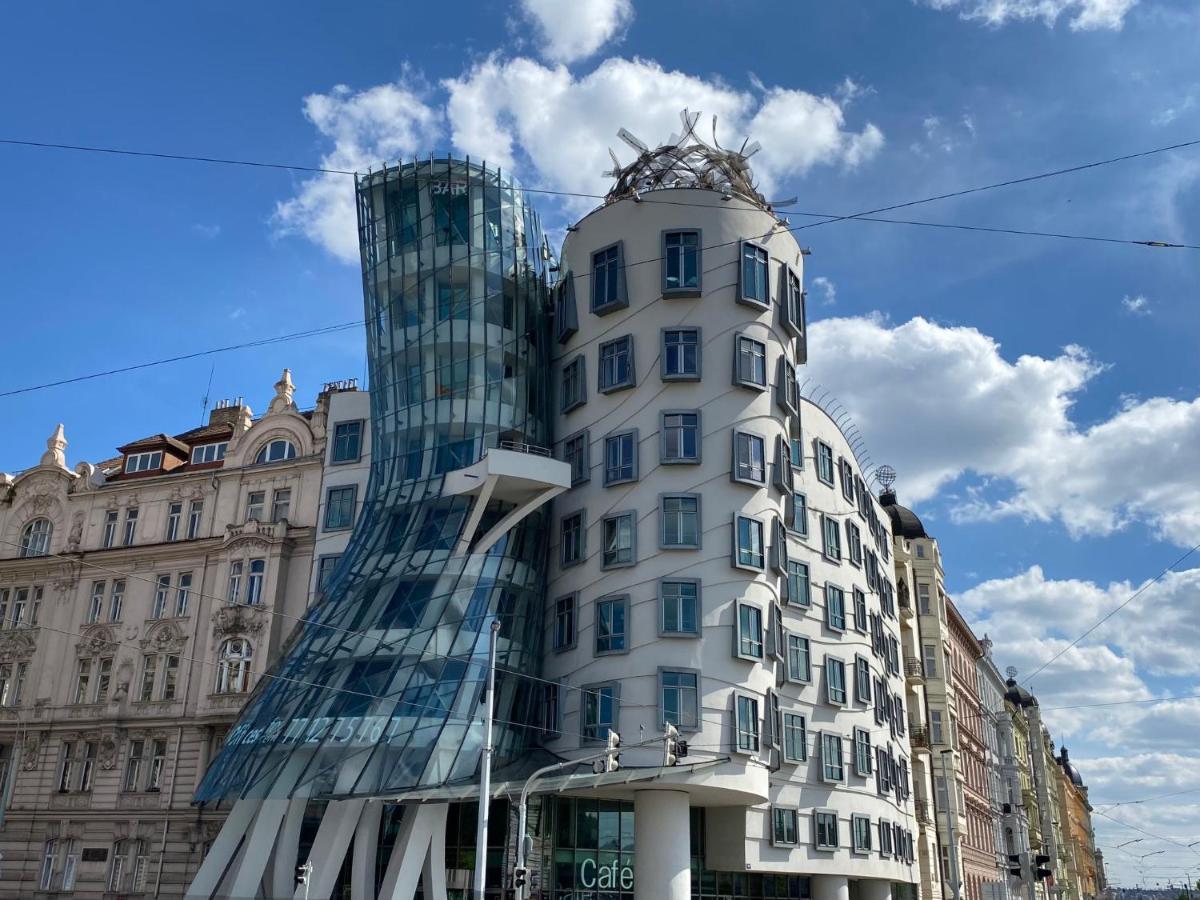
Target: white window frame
x,y
149,461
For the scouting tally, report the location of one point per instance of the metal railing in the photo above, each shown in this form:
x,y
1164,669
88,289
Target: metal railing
x,y
918,736
913,668
921,811
521,447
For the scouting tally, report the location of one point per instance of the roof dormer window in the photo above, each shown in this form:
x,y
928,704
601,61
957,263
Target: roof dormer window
x,y
143,462
206,453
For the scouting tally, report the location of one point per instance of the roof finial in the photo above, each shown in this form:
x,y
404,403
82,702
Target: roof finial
x,y
284,389
55,445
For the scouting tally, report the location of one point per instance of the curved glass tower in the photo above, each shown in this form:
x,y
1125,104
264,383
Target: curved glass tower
x,y
376,692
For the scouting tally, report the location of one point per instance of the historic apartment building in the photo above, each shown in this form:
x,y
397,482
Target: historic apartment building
x,y
142,598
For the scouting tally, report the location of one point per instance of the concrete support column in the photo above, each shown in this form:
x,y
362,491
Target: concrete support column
x,y
873,889
662,841
830,887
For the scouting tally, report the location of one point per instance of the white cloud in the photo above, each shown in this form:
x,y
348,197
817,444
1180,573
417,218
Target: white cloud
x,y
383,123
827,289
958,406
1084,15
572,30
208,232
1138,306
850,90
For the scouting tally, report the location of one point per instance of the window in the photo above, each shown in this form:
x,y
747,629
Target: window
x,y
679,695
170,681
923,598
571,539
70,865
281,502
149,675
339,507
754,290
83,674
608,280
621,458
749,458
49,861
566,317
826,828
95,603
207,453
831,538
131,519
133,765
575,453
791,304
174,515
143,462
681,263
862,679
847,478
110,528
835,681
616,365
255,501
103,677
786,388
749,362
936,730
233,597
832,765
749,631
746,723
612,617
233,667
680,520
680,354
453,302
564,622
573,386
797,453
860,611
860,827
783,826
748,543
854,543
162,591
680,437
862,751
158,758
116,868
116,600
930,660
326,566
194,513
824,455
835,607
183,590
620,540
798,589
275,451
600,711
920,550
254,584
799,660
795,738
885,840
679,600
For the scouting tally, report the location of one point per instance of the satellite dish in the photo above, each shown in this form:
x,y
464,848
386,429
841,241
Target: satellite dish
x,y
886,476
632,141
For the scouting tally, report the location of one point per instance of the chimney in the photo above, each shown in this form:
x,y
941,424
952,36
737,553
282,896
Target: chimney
x,y
233,412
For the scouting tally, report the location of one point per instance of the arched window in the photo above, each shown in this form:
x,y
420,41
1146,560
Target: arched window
x,y
275,451
233,666
35,539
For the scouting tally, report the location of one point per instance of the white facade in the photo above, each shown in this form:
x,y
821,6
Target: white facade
x,y
620,621
344,485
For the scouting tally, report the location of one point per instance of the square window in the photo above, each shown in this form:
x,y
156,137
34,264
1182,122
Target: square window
x,y
826,828
681,263
339,507
347,442
749,632
616,365
749,362
746,723
620,540
749,458
783,826
680,430
564,622
608,280
612,617
574,386
572,539
754,288
835,681
833,768
621,458
576,452
748,543
835,607
795,738
797,520
679,601
831,538
679,696
799,659
680,354
824,454
798,584
600,709
680,515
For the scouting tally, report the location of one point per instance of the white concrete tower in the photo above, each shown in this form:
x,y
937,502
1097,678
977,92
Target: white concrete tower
x,y
718,562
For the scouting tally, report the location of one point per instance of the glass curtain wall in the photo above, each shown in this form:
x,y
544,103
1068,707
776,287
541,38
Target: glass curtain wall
x,y
379,690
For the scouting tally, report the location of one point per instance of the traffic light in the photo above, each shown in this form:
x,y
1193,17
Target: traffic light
x,y
671,745
520,877
1015,867
1040,873
612,758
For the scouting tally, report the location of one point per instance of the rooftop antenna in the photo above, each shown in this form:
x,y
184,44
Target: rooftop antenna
x,y
207,393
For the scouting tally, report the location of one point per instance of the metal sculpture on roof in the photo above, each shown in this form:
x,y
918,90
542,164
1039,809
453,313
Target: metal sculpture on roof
x,y
686,160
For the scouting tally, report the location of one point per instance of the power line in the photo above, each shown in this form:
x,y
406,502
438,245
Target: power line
x,y
1109,806
1157,837
1113,612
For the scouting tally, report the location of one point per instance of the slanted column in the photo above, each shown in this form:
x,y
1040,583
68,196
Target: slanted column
x,y
662,863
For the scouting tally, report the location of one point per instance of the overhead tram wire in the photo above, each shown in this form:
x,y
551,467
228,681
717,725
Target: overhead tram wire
x,y
1157,837
827,218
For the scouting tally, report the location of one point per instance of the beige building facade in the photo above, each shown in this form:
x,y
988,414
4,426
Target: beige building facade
x,y
141,599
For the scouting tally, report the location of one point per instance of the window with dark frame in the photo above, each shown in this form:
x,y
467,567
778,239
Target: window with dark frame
x,y
681,262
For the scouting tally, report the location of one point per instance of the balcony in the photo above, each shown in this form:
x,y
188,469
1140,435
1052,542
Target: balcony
x,y
914,670
918,738
905,604
921,811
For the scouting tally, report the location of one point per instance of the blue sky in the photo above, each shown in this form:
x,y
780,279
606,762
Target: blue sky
x,y
1039,397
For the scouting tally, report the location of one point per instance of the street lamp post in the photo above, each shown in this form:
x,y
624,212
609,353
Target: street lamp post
x,y
485,774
